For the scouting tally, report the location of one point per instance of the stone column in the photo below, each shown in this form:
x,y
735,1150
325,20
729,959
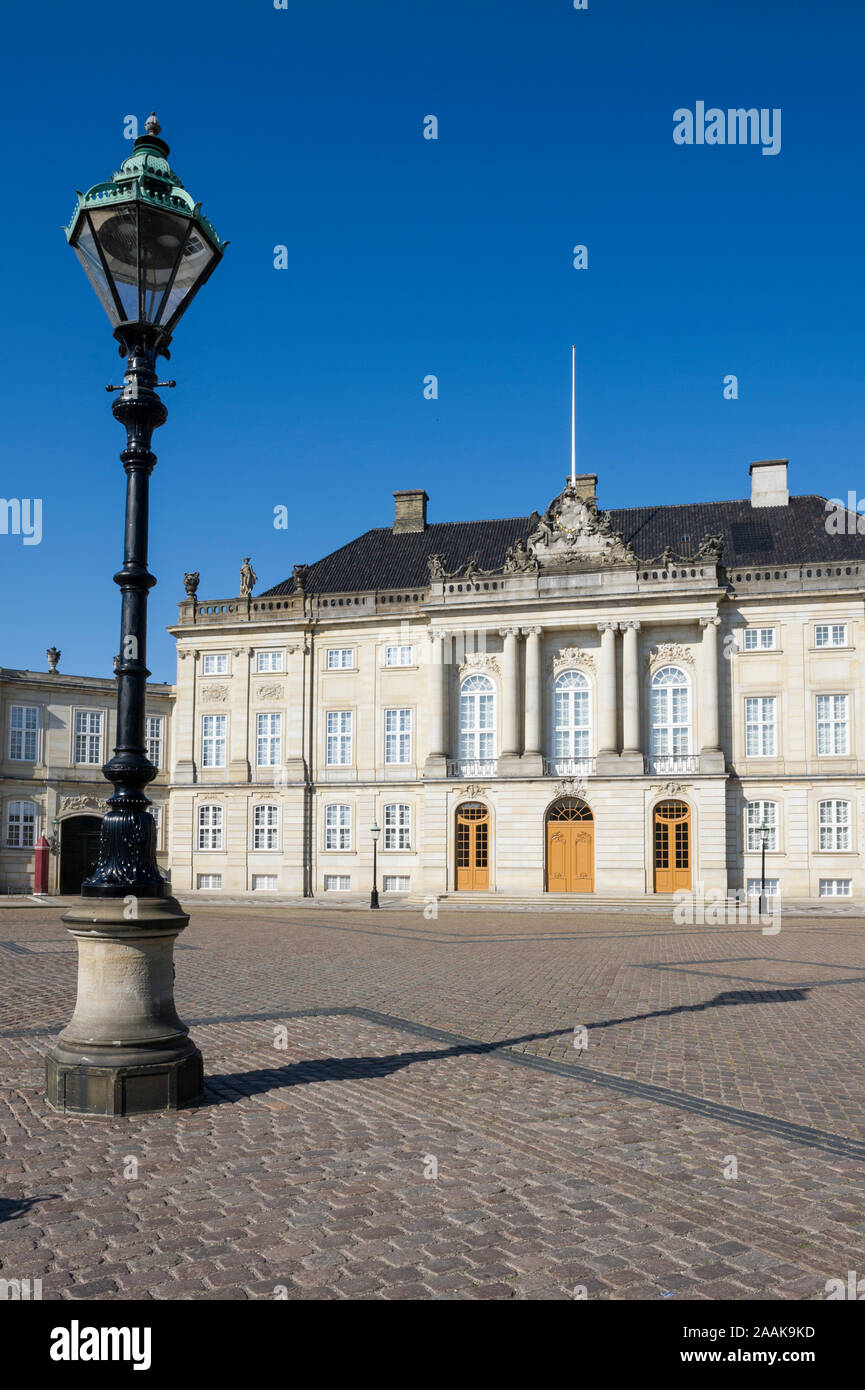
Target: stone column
x,y
632,754
711,756
241,737
533,757
184,717
510,727
608,755
437,729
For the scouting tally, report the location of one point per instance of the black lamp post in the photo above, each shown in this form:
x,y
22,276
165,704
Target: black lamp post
x,y
764,837
375,831
147,250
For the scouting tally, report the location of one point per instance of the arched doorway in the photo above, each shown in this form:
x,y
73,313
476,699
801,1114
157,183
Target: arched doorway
x,y
79,850
473,847
570,847
672,846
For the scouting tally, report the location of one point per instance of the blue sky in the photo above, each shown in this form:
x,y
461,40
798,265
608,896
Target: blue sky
x,y
304,387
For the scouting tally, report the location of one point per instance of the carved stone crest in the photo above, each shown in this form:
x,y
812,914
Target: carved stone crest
x,y
472,791
270,691
573,531
570,786
83,803
569,657
669,788
214,693
478,661
666,652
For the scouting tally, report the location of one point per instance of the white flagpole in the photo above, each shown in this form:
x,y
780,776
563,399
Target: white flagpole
x,y
573,413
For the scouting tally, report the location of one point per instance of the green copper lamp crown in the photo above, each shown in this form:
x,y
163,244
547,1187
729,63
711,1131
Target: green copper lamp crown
x,y
143,241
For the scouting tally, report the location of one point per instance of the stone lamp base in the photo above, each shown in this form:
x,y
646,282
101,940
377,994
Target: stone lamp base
x,y
124,1051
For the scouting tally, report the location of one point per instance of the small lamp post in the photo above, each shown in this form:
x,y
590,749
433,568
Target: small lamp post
x,y
764,840
147,250
375,831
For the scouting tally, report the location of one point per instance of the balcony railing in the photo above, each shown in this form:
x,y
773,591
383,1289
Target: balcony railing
x,y
569,767
676,763
473,767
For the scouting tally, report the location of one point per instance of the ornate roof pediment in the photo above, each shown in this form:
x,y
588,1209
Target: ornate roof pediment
x,y
573,532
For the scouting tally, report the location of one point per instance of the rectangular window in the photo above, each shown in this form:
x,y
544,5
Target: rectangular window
x,y
265,827
830,635
268,661
24,733
339,737
397,827
833,820
264,883
88,736
337,883
760,729
340,658
760,813
397,735
833,729
215,664
268,739
210,827
399,656
213,740
759,639
337,827
21,824
153,729
396,883
156,813
836,888
211,881
755,888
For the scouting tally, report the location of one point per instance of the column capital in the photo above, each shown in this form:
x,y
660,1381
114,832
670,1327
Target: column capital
x,y
714,621
631,623
531,631
607,627
509,632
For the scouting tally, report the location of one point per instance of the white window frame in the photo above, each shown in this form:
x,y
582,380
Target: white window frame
x,y
22,824
403,882
830,635
156,813
670,731
398,735
268,739
835,888
572,716
833,825
337,826
214,740
754,887
754,639
758,813
268,662
265,826
759,728
88,735
214,664
27,732
271,886
339,736
336,659
337,883
833,726
397,826
210,833
151,738
214,884
477,719
399,654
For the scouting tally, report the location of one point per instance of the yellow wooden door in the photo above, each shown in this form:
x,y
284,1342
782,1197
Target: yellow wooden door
x,y
473,847
672,847
570,848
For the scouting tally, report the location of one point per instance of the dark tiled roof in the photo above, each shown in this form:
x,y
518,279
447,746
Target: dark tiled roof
x,y
752,536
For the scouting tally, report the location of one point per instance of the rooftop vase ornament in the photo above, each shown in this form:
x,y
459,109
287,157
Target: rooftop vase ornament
x,y
147,249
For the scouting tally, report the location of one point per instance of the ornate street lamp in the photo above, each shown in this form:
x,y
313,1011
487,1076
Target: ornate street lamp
x,y
375,831
147,250
764,840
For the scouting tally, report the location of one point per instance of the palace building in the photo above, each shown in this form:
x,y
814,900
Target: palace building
x,y
616,703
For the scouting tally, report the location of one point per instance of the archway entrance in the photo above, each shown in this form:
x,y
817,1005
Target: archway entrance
x,y
79,850
672,846
570,847
473,847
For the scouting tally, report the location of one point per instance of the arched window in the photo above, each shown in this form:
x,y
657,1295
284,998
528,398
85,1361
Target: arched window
x,y
477,720
210,827
571,716
670,713
265,827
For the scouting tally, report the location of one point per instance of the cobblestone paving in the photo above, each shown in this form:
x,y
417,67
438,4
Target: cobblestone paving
x,y
410,1040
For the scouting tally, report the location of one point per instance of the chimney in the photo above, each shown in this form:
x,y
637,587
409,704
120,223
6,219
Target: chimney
x,y
409,510
769,483
586,484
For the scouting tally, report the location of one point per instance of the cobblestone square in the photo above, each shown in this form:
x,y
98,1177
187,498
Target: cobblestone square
x,y
396,1109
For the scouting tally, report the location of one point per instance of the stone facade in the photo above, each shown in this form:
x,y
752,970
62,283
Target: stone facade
x,y
416,670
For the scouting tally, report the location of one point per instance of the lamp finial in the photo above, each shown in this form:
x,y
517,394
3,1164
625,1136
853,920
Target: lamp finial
x,y
151,125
